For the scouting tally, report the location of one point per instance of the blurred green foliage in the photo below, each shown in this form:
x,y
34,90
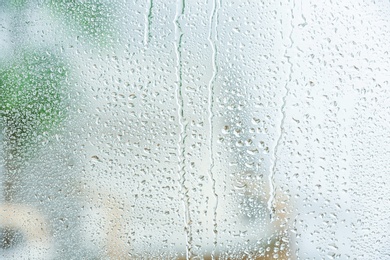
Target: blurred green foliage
x,y
91,19
34,82
32,100
17,4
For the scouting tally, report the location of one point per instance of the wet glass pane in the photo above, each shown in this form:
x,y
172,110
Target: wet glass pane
x,y
185,129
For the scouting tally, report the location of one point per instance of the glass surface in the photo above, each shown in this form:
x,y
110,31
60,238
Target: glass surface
x,y
194,129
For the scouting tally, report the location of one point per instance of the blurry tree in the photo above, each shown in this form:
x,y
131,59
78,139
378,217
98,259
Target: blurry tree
x,y
34,82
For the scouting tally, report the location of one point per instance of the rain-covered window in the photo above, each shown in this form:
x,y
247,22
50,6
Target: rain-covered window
x,y
215,129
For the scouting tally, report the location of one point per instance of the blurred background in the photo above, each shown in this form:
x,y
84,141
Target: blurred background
x,y
194,129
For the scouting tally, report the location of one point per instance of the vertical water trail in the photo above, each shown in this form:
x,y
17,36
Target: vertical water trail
x,y
180,5
271,177
148,23
212,38
304,23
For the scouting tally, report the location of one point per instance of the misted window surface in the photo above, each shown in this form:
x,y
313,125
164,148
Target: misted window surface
x,y
214,129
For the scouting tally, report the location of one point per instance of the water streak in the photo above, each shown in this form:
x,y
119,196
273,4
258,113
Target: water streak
x,y
271,177
212,38
183,126
148,23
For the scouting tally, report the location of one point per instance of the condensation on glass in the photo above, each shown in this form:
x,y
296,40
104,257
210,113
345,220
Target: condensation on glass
x,y
194,129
